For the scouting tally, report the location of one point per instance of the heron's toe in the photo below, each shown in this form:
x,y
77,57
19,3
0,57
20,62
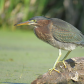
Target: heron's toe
x,y
63,63
50,70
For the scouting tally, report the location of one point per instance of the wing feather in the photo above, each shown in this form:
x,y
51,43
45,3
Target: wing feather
x,y
65,32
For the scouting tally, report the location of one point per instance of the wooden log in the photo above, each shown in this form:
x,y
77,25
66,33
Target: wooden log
x,y
72,74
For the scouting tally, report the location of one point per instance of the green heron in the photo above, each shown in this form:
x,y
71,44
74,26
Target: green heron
x,y
57,33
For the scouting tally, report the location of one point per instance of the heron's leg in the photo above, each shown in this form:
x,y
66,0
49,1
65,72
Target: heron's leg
x,y
65,58
56,63
57,58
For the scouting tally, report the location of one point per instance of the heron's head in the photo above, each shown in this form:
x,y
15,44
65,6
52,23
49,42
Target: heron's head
x,y
35,21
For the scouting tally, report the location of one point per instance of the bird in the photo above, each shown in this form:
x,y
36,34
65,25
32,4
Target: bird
x,y
58,33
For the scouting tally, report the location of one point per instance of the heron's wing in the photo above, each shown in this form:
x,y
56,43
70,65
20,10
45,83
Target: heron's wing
x,y
65,32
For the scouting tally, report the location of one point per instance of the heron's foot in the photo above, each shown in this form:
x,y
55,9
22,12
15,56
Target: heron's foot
x,y
63,63
50,70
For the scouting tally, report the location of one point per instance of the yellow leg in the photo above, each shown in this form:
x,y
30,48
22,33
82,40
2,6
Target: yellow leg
x,y
56,63
65,58
57,60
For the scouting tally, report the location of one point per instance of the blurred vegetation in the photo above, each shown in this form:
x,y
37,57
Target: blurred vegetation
x,y
14,11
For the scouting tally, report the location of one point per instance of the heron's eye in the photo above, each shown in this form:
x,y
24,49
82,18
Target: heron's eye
x,y
33,20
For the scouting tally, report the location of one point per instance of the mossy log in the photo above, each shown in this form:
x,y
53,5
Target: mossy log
x,y
72,74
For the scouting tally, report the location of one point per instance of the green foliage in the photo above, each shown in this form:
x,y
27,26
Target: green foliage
x,y
14,11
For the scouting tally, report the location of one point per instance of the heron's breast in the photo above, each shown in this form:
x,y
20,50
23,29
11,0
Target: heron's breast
x,y
43,34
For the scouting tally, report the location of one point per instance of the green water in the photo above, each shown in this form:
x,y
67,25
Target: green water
x,y
23,57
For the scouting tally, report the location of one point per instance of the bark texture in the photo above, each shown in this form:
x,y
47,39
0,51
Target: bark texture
x,y
72,74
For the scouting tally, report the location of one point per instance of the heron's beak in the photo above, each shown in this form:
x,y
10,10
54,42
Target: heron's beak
x,y
25,23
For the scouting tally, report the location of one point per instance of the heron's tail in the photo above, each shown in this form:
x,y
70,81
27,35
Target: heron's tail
x,y
82,43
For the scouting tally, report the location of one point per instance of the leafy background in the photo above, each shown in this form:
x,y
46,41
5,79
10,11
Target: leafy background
x,y
12,12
